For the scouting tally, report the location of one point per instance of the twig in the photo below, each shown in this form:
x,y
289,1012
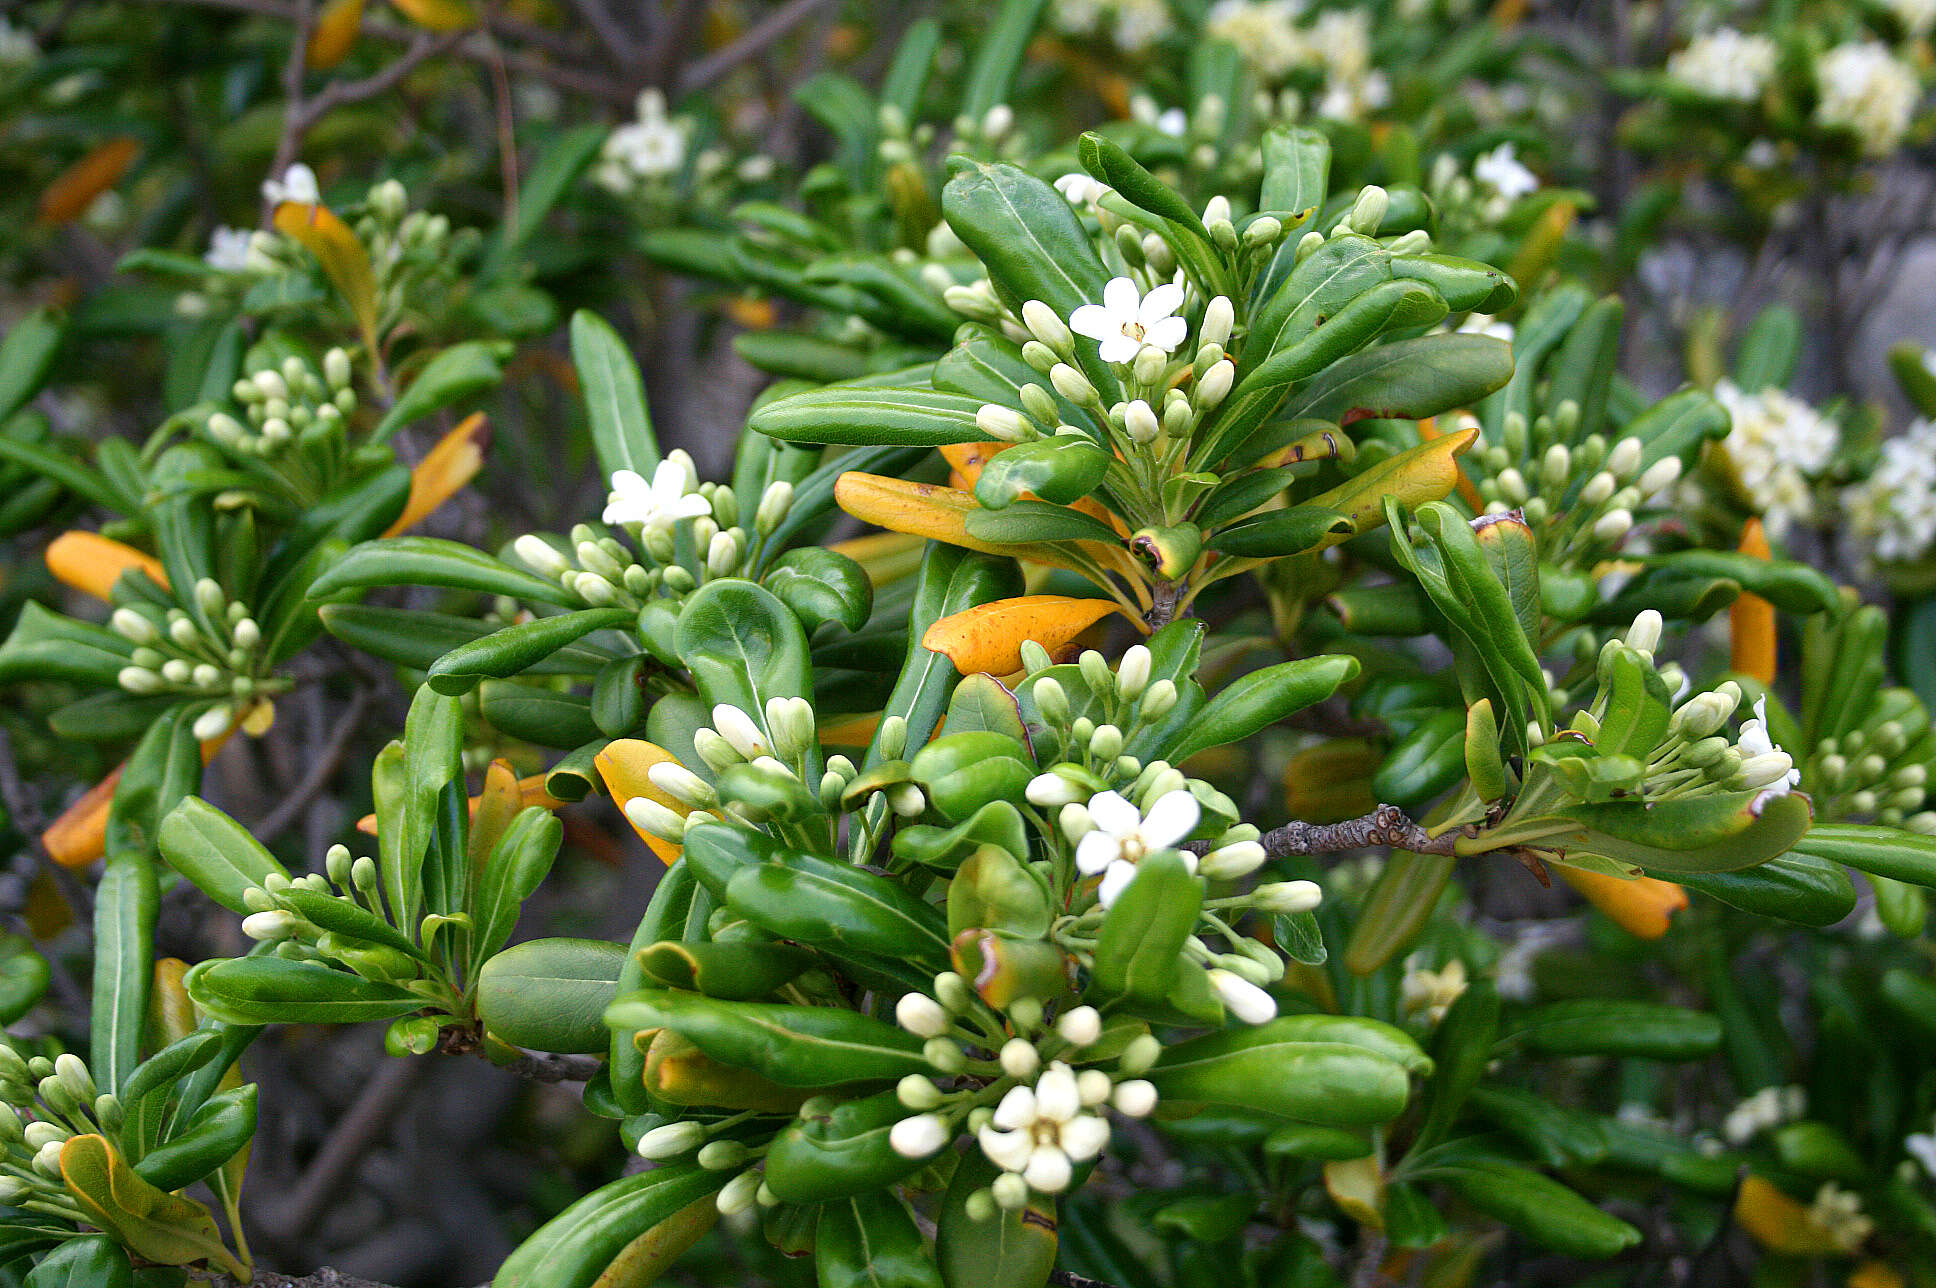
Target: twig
x,y
1386,825
777,24
1069,1279
544,1066
367,1119
1371,1266
618,42
321,770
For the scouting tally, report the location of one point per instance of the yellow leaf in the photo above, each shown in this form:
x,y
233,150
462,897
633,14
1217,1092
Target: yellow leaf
x,y
335,34
443,472
931,511
438,15
1874,1274
754,315
966,461
640,1263
92,563
988,638
169,1229
1542,243
1424,473
680,1072
75,188
80,835
624,765
1643,907
1777,1222
171,1012
343,257
1428,429
884,556
492,811
1752,618
851,731
1329,782
531,791
1357,1186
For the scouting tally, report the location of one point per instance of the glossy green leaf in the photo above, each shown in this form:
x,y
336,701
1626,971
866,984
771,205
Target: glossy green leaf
x,y
512,649
621,424
871,1241
1258,1068
795,1046
1062,469
432,561
453,375
1615,1027
576,1248
550,994
1261,698
215,852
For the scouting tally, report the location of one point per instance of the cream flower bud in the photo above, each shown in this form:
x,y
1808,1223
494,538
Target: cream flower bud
x,y
47,1158
1075,822
1051,790
1140,423
1597,489
738,729
921,1136
921,1015
1246,1001
1004,423
1613,525
1228,862
1081,1026
1072,384
671,1140
1644,634
1047,326
917,1093
1019,1058
1218,318
680,783
1141,1053
137,679
648,815
718,1155
1148,364
1369,210
539,555
739,1194
214,722
1281,897
1135,1098
1010,1191
1659,475
1623,462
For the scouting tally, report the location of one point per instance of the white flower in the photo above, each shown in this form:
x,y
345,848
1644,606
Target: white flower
x,y
1041,1134
1079,189
1725,64
1895,507
1839,1214
298,184
1265,34
1140,24
228,249
1767,1108
1432,992
670,496
1246,1001
1761,751
651,147
1867,90
1922,1148
1501,170
1173,122
1126,320
1916,16
1777,443
1122,835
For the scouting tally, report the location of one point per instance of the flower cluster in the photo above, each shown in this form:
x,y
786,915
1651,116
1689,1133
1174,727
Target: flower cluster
x,y
1866,91
1765,1110
215,652
1894,509
1777,447
1133,26
776,754
645,152
1872,773
43,1103
285,404
684,534
1725,64
1332,52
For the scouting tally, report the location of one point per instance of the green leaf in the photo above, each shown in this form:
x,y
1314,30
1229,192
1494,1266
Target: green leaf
x,y
622,435
850,414
795,1046
743,647
1297,166
513,649
549,179
1139,948
212,1135
432,561
46,645
871,1241
26,354
91,1261
1024,523
1063,469
1406,379
1293,530
822,586
517,865
551,994
274,990
24,976
1538,1207
1800,887
1013,1249
215,852
1888,852
1262,698
981,703
839,1155
1262,1069
1616,1027
452,376
999,49
577,1248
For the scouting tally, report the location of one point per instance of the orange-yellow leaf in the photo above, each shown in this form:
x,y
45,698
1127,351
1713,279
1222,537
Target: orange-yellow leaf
x,y
928,510
335,34
754,315
624,765
1357,1186
1424,473
967,460
1643,907
75,188
989,637
1753,618
92,563
1777,1222
80,835
343,257
444,471
438,15
531,791
851,731
1428,429
1874,1274
1541,244
883,556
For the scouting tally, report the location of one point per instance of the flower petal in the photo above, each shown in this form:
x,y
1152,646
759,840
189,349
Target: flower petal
x,y
1122,298
1111,812
1114,882
1160,304
1173,817
1095,852
1017,1109
1094,321
1166,334
1008,1150
1120,348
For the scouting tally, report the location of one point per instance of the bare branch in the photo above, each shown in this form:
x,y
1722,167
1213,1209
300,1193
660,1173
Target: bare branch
x,y
321,770
777,24
1387,825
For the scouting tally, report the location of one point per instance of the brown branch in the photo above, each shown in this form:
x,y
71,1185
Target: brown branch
x,y
382,1100
1386,825
323,1277
1069,1279
775,25
544,1066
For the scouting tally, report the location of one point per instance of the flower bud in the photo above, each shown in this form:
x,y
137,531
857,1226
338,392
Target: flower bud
x,y
1282,897
1047,326
1148,364
1081,1026
671,1140
1613,525
1369,210
1659,475
138,680
921,1015
738,729
739,1194
1004,423
1623,462
72,1072
650,816
1010,1192
719,1155
1644,634
1142,1052
944,1055
1135,1098
917,1093
214,722
1140,423
1228,862
1072,384
1214,386
1019,1058
1246,1001
921,1136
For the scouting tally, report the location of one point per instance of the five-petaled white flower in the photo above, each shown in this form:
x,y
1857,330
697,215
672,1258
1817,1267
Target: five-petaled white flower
x,y
1042,1133
1126,320
670,496
228,249
1756,744
1123,835
1500,170
298,184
